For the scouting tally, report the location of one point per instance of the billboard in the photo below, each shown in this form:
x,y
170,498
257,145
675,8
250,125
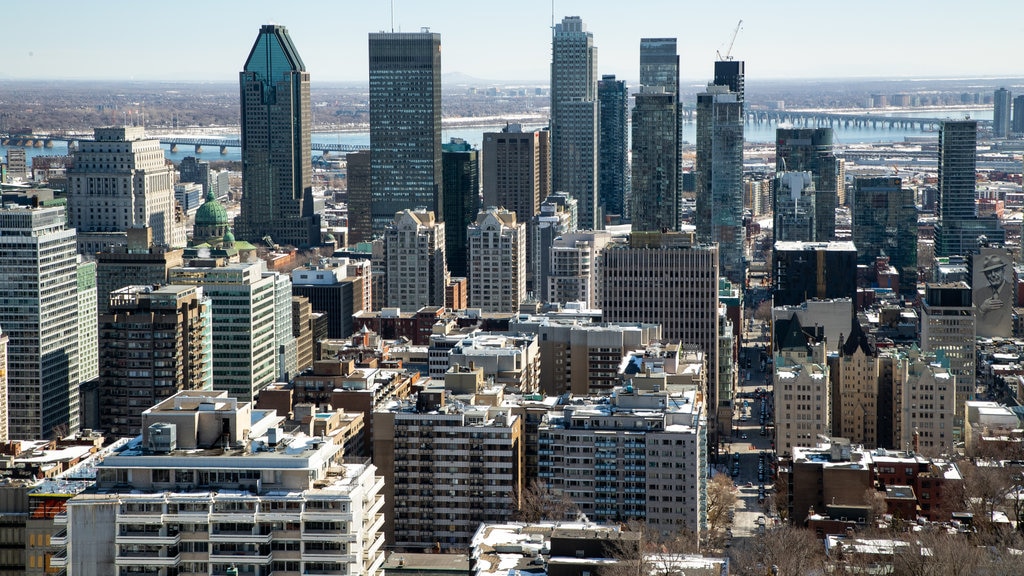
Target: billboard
x,y
994,291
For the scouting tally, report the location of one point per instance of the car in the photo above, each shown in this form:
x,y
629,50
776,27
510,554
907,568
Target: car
x,y
750,484
743,436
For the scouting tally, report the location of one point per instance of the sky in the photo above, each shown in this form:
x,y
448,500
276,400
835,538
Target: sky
x,y
504,41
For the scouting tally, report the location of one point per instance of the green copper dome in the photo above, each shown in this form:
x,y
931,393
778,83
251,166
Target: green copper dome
x,y
229,238
211,213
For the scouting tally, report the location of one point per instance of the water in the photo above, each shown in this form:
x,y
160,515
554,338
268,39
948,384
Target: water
x,y
753,133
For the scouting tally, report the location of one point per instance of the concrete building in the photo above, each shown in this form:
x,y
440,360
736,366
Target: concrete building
x,y
885,224
574,269
88,349
923,400
461,170
194,170
39,273
575,118
830,317
989,424
948,327
497,261
405,125
959,226
139,261
603,455
557,217
810,150
719,174
800,380
1001,113
277,169
213,485
284,340
517,170
156,342
431,502
337,290
808,270
302,330
121,181
414,256
857,399
509,361
244,361
613,151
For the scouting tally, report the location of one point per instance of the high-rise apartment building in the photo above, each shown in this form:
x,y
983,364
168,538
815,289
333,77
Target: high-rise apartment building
x,y
88,348
461,169
497,261
405,125
959,228
885,224
517,170
414,258
243,306
284,340
613,151
656,183
557,217
155,342
39,273
575,118
1018,115
277,169
719,168
140,261
120,180
923,400
357,178
302,329
216,486
948,329
194,170
574,270
814,270
340,288
801,384
793,215
810,150
731,73
1001,113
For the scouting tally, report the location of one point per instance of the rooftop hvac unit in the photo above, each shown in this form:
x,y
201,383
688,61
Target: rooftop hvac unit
x,y
163,438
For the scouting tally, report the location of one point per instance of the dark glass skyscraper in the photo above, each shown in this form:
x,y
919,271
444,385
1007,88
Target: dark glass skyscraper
x,y
885,224
405,125
277,173
461,168
810,150
659,64
731,73
1001,120
959,229
657,137
614,157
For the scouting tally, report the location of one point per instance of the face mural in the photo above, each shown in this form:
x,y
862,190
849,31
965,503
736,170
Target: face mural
x,y
994,291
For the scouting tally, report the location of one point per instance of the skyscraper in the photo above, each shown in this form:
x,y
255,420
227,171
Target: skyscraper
x,y
1001,119
959,230
277,170
885,223
461,201
357,176
614,144
793,214
1018,115
574,118
39,273
414,258
497,261
719,167
405,125
656,184
517,170
810,150
120,181
731,73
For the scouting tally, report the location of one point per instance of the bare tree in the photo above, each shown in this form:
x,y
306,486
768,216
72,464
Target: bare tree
x,y
541,502
938,554
721,500
652,552
763,311
782,550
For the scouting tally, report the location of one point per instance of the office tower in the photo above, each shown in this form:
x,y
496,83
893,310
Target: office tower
x,y
574,118
517,173
189,197
810,150
277,170
719,167
414,259
338,287
261,497
17,165
139,261
557,216
120,181
88,351
793,214
241,295
1018,115
948,329
481,479
302,329
800,371
461,169
885,224
1001,113
357,177
172,324
405,125
497,261
284,340
4,405
731,73
656,183
959,229
192,169
39,275
641,282
650,431
613,151
574,267
814,270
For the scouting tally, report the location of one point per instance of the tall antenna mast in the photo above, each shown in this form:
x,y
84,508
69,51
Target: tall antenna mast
x,y
552,17
393,16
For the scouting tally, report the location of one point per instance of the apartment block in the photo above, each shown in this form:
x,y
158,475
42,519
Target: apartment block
x,y
497,261
139,261
801,385
948,329
414,259
574,267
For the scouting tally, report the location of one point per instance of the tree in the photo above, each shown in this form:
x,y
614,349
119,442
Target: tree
x,y
651,552
783,550
764,311
721,500
541,502
939,554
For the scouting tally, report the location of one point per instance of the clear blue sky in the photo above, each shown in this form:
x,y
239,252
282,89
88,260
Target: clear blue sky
x,y
503,40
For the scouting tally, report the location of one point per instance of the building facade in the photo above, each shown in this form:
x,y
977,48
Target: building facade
x,y
613,154
574,268
140,261
959,227
414,257
1001,113
810,150
277,169
557,217
948,330
517,170
461,171
808,270
719,176
497,261
885,224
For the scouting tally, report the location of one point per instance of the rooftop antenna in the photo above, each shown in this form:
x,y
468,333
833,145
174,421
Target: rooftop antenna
x,y
392,16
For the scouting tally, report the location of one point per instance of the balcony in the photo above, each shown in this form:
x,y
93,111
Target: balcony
x,y
147,559
60,539
61,519
604,455
60,559
546,474
604,466
605,489
144,537
604,443
545,452
241,556
240,537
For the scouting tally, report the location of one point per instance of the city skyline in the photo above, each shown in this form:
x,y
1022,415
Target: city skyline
x,y
205,44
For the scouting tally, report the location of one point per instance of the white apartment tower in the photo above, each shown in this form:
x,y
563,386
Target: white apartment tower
x,y
120,181
575,267
497,261
39,275
948,329
244,305
414,258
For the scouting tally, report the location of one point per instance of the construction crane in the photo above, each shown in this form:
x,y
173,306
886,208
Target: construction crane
x,y
728,52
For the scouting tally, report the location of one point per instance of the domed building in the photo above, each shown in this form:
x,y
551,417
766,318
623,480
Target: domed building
x,y
211,222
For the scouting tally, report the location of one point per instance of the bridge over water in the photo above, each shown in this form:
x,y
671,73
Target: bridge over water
x,y
47,140
811,119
